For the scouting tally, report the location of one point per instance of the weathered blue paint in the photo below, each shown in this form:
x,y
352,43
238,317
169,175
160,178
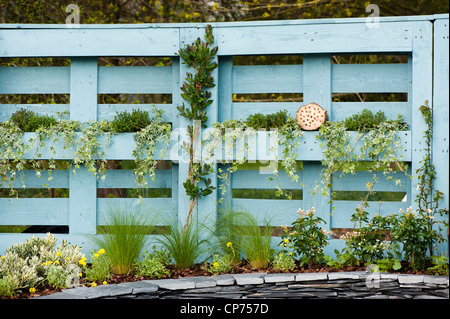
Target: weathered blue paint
x,y
425,76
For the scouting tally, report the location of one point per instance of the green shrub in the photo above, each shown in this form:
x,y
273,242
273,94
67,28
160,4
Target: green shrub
x,y
268,121
153,264
100,269
130,122
28,264
284,262
366,120
28,121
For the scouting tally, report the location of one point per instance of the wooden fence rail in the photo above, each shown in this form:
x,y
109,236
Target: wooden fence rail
x,y
424,75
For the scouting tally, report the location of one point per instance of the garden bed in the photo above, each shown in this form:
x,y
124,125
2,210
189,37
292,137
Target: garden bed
x,y
199,270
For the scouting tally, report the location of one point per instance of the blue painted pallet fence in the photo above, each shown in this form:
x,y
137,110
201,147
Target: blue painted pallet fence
x,y
422,39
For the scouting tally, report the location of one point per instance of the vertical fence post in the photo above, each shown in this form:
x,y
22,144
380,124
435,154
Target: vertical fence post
x,y
316,88
440,155
83,184
422,89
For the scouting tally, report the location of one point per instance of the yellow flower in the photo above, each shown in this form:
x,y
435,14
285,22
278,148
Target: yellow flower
x,y
286,241
50,262
229,244
57,262
58,253
216,264
32,290
101,251
93,284
105,283
266,15
214,6
290,253
44,264
82,261
96,255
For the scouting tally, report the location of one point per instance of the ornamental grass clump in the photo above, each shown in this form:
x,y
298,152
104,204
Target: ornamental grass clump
x,y
183,243
123,237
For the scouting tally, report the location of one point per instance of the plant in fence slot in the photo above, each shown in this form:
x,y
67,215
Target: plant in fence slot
x,y
200,57
377,141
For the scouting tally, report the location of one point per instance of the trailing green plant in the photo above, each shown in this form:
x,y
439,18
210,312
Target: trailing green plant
x,y
307,238
200,57
146,141
285,131
428,197
123,236
380,145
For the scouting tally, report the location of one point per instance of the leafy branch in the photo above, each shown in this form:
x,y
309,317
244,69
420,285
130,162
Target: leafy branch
x,y
199,56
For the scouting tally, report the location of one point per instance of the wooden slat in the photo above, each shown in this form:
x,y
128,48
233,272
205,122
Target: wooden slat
x,y
34,211
344,210
348,78
157,210
358,182
317,38
34,80
259,179
267,79
60,179
281,212
89,42
125,178
135,79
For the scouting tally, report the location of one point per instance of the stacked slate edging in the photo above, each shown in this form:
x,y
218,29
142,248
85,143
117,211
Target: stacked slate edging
x,y
334,285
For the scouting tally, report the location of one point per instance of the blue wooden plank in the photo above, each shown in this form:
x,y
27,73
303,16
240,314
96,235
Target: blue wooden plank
x,y
370,78
60,179
34,211
125,178
315,38
344,210
267,79
441,138
34,80
83,107
358,181
87,42
156,210
255,179
135,79
280,212
422,90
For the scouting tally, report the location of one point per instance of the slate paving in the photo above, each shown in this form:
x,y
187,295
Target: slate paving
x,y
333,285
